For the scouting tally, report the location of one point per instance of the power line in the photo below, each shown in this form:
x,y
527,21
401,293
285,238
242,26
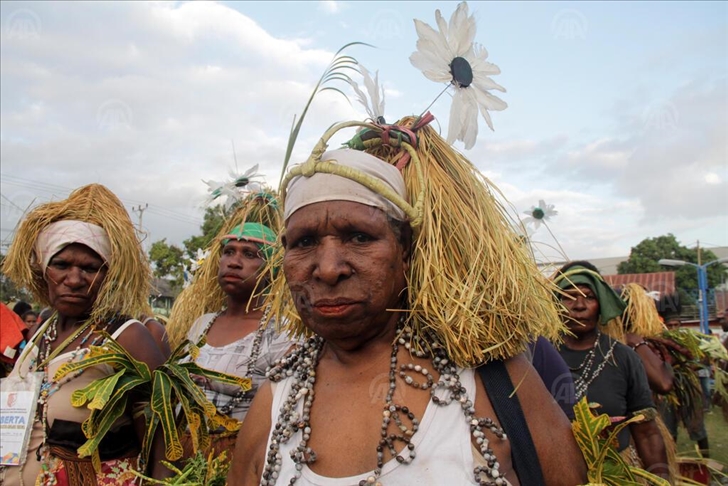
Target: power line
x,y
54,189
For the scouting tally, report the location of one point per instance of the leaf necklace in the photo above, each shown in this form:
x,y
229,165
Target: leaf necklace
x,y
254,354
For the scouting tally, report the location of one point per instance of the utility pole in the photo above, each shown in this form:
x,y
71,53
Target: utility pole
x,y
139,209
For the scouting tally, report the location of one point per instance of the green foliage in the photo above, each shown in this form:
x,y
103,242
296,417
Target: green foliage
x,y
162,390
213,221
8,291
596,439
644,257
170,261
198,471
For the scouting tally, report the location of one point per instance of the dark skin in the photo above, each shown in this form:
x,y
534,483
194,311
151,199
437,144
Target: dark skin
x,y
74,277
346,271
659,372
583,321
240,265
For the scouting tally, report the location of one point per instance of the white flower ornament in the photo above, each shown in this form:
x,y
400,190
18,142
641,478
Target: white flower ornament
x,y
235,189
540,214
450,56
373,101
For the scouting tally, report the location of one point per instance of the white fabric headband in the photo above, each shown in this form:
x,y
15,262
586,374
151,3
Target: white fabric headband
x,y
320,187
56,236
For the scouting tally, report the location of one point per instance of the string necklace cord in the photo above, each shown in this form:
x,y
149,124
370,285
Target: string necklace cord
x,y
399,424
49,386
587,377
236,399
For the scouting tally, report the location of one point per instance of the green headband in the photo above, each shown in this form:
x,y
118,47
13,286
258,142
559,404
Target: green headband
x,y
255,232
610,304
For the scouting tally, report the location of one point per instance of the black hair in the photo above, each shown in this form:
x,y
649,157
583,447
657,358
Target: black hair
x,y
669,306
21,308
579,263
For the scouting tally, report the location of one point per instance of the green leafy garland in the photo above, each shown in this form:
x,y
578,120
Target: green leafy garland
x,y
161,390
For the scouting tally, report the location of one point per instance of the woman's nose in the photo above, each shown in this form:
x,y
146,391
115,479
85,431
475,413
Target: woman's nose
x,y
74,278
332,263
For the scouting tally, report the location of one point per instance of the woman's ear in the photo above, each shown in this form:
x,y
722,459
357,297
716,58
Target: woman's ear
x,y
406,242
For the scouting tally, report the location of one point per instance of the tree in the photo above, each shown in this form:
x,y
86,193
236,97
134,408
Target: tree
x,y
170,261
211,224
643,259
8,291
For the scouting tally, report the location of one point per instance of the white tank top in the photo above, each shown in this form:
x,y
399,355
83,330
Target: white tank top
x,y
442,443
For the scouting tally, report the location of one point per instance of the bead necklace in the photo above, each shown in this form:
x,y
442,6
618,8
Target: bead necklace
x,y
301,366
50,386
589,358
254,354
582,382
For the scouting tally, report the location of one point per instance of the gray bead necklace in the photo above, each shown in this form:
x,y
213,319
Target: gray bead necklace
x,y
399,424
254,354
582,382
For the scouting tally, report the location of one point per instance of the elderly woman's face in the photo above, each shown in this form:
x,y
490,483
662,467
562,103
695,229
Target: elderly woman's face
x,y
345,267
583,309
74,276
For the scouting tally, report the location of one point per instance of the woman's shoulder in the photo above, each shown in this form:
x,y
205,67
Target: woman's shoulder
x,y
198,327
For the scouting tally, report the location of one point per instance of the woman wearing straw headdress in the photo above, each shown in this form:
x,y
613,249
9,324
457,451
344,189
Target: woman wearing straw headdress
x,y
228,290
402,272
606,371
87,264
640,328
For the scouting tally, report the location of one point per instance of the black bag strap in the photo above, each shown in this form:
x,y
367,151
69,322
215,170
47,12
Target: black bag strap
x,y
507,408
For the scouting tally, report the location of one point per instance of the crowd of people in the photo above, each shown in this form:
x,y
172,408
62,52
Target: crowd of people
x,y
328,298
391,322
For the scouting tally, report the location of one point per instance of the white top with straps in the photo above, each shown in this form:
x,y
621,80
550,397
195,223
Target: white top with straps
x,y
442,443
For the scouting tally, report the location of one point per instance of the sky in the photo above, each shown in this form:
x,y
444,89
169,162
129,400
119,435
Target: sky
x,y
617,111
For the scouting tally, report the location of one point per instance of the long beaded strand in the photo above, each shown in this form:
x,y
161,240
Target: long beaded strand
x,y
301,367
50,386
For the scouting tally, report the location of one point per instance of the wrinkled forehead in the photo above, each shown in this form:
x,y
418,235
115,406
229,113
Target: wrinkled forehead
x,y
337,213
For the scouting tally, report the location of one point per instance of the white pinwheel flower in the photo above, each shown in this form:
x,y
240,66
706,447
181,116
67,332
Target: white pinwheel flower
x,y
540,214
450,56
197,260
373,100
235,189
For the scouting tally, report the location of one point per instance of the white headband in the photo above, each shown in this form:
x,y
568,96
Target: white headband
x,y
320,187
56,236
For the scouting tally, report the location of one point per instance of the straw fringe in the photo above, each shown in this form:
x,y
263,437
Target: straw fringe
x,y
127,285
472,286
204,295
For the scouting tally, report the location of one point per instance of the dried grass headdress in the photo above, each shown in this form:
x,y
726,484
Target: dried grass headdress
x,y
204,294
640,317
472,286
126,287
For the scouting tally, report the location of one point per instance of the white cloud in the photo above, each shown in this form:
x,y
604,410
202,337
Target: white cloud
x,y
329,6
149,104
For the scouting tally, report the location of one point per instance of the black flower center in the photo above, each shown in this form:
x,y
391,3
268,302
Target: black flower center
x,y
538,213
242,182
462,73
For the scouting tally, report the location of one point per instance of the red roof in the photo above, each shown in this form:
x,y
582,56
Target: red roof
x,y
663,282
